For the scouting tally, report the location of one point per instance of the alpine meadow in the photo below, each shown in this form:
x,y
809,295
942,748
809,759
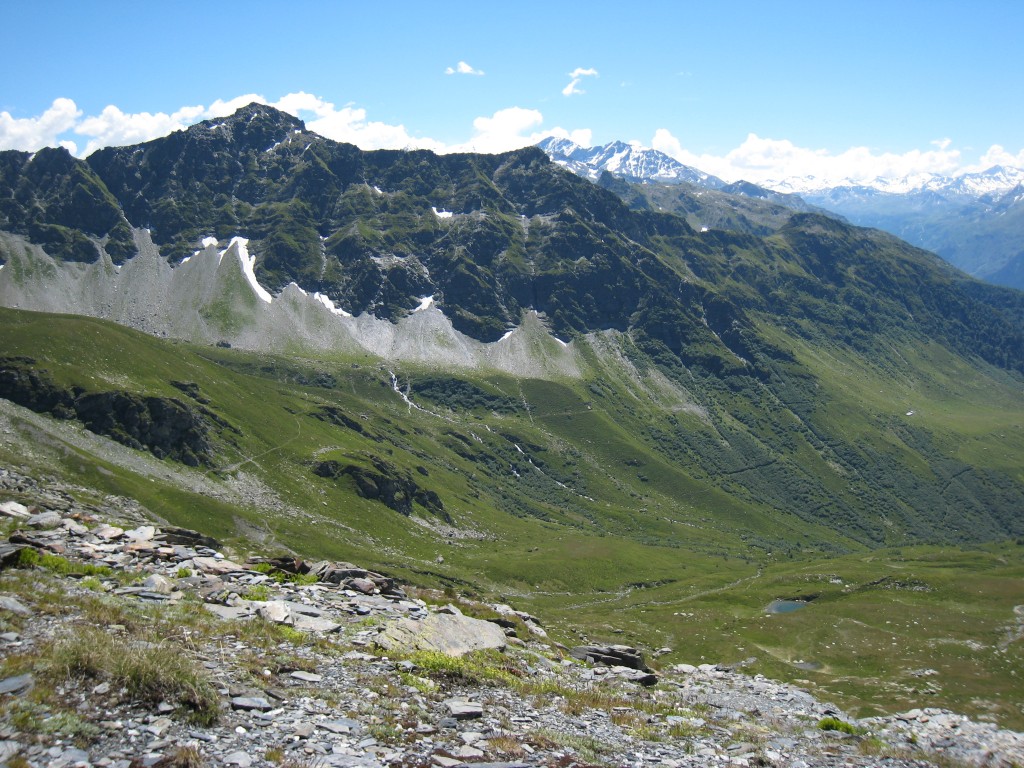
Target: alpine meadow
x,y
715,424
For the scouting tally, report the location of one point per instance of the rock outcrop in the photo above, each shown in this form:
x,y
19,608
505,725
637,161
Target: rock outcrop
x,y
447,632
166,427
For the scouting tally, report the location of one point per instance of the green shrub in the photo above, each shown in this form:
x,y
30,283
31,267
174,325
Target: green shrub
x,y
258,592
835,724
31,558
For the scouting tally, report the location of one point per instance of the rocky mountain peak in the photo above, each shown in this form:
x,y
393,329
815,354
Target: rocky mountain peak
x,y
253,126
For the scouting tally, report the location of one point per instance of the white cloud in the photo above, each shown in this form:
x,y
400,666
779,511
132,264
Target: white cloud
x,y
112,127
221,108
31,133
756,159
762,160
350,124
997,155
462,68
573,89
514,128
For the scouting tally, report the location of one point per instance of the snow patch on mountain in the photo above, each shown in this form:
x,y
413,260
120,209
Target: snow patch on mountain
x,y
631,161
208,299
995,180
326,301
239,244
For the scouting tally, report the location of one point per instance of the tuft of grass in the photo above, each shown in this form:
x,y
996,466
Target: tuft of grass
x,y
152,672
258,592
421,684
835,724
182,757
587,747
478,668
31,558
508,745
92,583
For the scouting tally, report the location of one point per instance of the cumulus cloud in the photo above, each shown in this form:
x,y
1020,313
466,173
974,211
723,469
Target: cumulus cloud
x,y
350,124
573,89
112,127
763,160
756,159
31,133
997,155
514,128
505,130
462,68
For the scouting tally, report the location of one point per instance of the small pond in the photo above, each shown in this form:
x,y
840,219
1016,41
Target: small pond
x,y
785,606
809,666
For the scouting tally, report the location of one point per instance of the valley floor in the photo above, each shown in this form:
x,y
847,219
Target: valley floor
x,y
126,645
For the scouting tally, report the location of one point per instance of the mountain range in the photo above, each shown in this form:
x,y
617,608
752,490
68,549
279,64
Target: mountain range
x,y
486,373
973,220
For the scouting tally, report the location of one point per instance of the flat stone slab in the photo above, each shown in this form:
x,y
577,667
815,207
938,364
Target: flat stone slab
x,y
314,624
306,677
239,758
14,509
464,710
16,685
451,634
228,612
44,520
13,605
251,702
216,566
341,725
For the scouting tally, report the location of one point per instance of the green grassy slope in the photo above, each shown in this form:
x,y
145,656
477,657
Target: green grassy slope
x,y
623,505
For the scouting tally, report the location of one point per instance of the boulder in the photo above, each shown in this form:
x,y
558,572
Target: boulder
x,y
45,519
365,586
14,509
276,611
9,554
158,583
13,605
185,537
610,656
451,634
461,709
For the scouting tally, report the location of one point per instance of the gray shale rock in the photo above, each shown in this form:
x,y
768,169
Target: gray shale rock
x,y
451,634
611,656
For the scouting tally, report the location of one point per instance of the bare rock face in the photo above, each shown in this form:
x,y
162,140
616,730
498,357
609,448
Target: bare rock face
x,y
451,634
166,427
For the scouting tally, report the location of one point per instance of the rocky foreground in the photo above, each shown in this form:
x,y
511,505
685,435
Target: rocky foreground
x,y
128,644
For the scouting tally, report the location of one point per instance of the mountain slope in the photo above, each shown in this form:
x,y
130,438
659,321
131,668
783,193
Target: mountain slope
x,y
974,221
488,374
266,237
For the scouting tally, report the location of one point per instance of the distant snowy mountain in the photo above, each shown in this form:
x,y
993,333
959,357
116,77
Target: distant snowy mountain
x,y
665,184
996,180
975,220
627,161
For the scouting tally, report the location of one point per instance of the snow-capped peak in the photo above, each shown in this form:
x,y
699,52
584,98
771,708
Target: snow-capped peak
x,y
995,180
629,160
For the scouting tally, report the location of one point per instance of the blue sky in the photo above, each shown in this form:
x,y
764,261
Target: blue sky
x,y
742,89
